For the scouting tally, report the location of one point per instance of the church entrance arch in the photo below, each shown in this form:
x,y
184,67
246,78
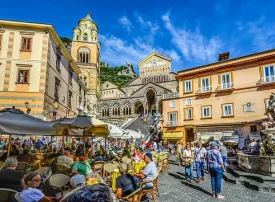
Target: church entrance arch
x,y
139,109
151,101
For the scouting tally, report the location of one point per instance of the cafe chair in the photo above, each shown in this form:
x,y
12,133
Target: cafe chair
x,y
107,172
98,167
7,195
58,183
25,167
17,197
62,169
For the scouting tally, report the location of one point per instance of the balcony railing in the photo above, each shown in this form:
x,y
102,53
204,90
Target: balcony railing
x,y
172,123
225,86
170,95
203,90
267,80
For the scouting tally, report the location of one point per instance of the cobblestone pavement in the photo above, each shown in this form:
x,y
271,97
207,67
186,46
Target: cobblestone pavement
x,y
174,187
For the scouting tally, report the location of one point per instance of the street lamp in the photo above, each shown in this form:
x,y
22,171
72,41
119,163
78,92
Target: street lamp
x,y
27,107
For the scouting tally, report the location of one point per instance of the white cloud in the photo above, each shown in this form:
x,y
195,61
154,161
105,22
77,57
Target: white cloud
x,y
116,51
192,44
126,23
263,35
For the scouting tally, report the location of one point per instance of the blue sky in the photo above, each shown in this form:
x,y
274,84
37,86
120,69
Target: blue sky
x,y
191,32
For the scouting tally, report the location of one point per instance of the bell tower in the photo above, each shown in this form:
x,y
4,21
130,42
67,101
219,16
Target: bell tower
x,y
86,52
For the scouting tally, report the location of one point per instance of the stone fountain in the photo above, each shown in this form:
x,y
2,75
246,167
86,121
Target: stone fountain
x,y
265,162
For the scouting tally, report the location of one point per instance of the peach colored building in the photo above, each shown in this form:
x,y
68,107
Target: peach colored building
x,y
36,68
224,100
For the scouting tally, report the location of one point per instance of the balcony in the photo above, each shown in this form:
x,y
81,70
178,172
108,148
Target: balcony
x,y
172,123
204,90
170,95
267,80
225,87
86,64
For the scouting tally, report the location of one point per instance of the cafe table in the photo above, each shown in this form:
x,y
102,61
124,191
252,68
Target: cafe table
x,y
138,166
115,175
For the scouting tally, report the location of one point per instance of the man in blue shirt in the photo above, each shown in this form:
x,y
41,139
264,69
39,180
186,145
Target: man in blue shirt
x,y
216,169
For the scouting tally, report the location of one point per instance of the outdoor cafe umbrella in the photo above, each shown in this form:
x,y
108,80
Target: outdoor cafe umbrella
x,y
81,126
16,122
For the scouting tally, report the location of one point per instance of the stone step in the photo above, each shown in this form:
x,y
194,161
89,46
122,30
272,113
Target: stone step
x,y
139,125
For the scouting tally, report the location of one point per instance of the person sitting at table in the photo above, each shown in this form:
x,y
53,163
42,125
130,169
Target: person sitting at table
x,y
125,184
28,158
84,168
149,172
31,193
54,154
66,159
126,152
77,180
11,178
80,149
99,156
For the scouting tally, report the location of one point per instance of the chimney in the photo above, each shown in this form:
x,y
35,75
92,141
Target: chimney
x,y
224,56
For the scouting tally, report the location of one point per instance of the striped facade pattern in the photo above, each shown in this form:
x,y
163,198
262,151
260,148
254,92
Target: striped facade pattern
x,y
43,67
8,62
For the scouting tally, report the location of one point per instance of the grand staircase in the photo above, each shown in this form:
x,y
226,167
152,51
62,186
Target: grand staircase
x,y
138,125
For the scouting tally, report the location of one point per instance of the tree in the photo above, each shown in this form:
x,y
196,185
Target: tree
x,y
67,42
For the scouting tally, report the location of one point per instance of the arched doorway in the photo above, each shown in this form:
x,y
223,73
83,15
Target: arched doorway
x,y
139,109
151,100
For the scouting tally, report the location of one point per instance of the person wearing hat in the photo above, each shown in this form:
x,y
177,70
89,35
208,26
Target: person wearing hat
x,y
150,171
83,167
216,169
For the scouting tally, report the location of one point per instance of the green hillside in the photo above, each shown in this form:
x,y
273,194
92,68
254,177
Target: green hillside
x,y
108,73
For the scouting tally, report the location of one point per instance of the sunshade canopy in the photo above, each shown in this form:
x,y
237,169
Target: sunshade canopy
x,y
81,126
16,122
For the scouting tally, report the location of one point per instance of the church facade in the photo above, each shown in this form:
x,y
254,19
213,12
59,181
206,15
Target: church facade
x,y
142,95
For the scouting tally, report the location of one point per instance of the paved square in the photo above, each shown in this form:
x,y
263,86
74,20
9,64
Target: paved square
x,y
174,187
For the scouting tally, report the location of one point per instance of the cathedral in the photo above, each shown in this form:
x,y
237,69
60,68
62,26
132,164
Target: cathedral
x,y
142,95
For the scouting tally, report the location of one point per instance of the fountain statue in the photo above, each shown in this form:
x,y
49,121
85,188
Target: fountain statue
x,y
268,140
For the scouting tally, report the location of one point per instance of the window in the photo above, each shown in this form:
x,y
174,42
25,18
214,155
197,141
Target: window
x,y
85,37
105,111
188,114
83,55
269,74
79,101
205,84
227,109
1,40
116,110
172,119
172,103
79,86
253,129
58,60
206,112
226,81
188,102
127,109
188,86
70,99
56,88
71,76
26,44
23,76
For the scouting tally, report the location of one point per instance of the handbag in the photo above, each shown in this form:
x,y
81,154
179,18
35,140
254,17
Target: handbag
x,y
188,163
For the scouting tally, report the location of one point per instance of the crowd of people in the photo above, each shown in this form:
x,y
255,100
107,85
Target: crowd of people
x,y
211,159
79,157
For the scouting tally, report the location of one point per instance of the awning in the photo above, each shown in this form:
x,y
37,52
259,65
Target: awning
x,y
230,139
258,137
174,135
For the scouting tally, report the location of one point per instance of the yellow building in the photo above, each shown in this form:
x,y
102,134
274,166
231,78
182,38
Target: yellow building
x,y
86,53
37,73
226,98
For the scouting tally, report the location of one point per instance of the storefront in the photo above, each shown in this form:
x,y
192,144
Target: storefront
x,y
224,133
172,135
